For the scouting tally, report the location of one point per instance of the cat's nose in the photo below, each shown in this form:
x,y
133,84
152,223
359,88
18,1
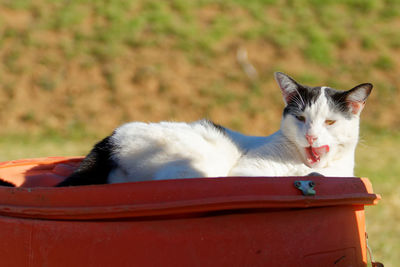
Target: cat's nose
x,y
311,139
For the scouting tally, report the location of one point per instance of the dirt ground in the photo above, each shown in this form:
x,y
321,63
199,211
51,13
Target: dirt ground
x,y
45,88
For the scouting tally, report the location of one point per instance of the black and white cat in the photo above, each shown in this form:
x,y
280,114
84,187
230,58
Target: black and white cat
x,y
319,133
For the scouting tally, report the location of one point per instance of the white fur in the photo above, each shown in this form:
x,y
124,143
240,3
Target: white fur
x,y
171,150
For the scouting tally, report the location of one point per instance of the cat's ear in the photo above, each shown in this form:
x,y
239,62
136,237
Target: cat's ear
x,y
356,97
287,84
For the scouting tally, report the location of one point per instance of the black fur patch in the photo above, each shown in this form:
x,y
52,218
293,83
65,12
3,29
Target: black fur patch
x,y
5,183
338,101
216,126
95,168
304,97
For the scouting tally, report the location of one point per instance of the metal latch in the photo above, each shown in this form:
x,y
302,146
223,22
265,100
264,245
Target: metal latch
x,y
306,187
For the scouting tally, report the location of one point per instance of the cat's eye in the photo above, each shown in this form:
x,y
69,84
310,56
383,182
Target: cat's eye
x,y
301,118
329,122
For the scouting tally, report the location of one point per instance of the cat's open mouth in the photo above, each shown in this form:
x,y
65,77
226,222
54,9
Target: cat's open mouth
x,y
314,153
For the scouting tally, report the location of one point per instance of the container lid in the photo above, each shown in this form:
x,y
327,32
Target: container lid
x,y
35,198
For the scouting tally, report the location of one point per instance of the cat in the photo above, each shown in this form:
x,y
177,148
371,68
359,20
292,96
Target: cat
x,y
318,135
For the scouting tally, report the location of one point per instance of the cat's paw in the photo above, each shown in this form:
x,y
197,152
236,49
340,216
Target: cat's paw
x,y
314,174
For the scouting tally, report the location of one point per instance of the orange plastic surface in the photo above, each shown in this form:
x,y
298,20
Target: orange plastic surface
x,y
235,221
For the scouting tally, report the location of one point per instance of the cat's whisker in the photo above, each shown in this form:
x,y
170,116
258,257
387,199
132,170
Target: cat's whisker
x,y
301,98
299,101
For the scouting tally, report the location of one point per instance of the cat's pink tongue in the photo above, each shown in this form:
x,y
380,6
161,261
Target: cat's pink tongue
x,y
314,153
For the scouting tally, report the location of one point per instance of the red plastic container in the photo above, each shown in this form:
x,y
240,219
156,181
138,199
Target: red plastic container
x,y
247,221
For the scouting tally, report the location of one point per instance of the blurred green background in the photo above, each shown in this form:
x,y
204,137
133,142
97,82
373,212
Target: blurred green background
x,y
73,70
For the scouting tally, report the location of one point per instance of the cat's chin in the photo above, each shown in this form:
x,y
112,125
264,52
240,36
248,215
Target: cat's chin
x,y
314,155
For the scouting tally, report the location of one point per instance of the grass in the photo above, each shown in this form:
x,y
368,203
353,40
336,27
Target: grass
x,y
69,40
377,159
25,146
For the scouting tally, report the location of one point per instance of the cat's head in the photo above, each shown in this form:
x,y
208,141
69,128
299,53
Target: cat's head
x,y
322,122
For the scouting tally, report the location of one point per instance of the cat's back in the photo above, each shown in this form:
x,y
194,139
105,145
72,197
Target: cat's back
x,y
157,150
140,134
